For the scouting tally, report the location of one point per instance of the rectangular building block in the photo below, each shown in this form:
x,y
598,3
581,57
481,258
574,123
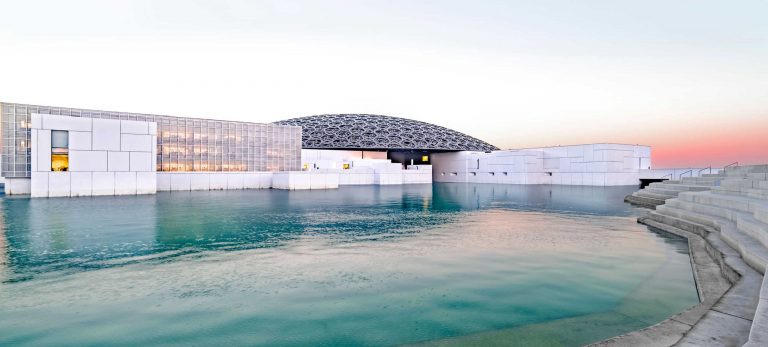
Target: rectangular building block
x,y
218,181
87,160
80,140
106,135
81,184
39,185
103,183
235,181
118,161
141,161
163,181
134,127
136,143
125,183
58,184
43,150
180,181
53,122
200,181
146,182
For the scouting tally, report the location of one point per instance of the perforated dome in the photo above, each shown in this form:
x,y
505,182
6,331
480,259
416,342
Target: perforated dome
x,y
368,131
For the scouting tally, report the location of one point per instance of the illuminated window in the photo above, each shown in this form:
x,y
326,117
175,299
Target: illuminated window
x,y
59,150
346,166
425,158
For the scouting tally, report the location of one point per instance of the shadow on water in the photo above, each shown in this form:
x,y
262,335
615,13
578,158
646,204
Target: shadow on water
x,y
46,235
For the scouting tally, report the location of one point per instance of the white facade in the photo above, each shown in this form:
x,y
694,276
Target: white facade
x,y
106,157
364,167
185,181
590,165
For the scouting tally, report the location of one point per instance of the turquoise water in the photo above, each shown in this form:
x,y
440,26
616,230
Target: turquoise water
x,y
449,264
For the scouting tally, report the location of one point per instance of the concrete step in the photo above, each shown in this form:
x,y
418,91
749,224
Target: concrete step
x,y
743,170
741,203
669,217
758,193
677,211
701,180
643,201
752,251
761,214
677,187
753,227
762,184
664,191
740,183
700,213
760,176
758,333
652,194
713,175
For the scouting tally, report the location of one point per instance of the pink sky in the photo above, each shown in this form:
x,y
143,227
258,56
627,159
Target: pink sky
x,y
689,79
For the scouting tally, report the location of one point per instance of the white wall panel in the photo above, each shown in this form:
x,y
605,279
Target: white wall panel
x,y
141,161
106,135
125,183
58,184
200,181
87,160
135,143
118,161
163,181
33,152
53,122
80,140
43,150
134,127
218,181
235,181
39,185
146,182
180,181
81,183
103,183
37,121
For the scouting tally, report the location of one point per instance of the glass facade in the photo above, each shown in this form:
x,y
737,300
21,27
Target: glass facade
x,y
183,144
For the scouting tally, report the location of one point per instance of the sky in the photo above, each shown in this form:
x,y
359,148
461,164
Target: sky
x,y
689,78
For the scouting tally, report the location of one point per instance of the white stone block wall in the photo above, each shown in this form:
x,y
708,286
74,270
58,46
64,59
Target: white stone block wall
x,y
186,181
305,180
593,165
106,157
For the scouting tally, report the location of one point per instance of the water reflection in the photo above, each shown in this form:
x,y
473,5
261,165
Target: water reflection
x,y
46,235
355,266
3,250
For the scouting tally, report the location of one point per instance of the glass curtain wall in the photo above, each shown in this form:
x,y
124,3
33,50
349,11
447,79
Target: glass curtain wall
x,y
183,144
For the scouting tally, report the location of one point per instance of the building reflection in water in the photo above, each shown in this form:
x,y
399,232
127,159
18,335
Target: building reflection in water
x,y
61,234
3,248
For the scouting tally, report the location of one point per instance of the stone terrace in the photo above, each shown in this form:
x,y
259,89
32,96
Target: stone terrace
x,y
729,212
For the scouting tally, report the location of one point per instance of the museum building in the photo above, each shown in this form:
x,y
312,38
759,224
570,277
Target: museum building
x,y
58,151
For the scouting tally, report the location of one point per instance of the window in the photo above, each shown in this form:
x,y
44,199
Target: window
x,y
59,150
424,158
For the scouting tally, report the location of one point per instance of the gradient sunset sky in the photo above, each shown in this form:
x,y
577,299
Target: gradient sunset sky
x,y
689,78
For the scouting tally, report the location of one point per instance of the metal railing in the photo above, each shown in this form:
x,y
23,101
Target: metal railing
x,y
685,172
735,163
708,167
670,176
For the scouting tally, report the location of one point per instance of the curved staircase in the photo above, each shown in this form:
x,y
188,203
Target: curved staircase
x,y
730,211
657,193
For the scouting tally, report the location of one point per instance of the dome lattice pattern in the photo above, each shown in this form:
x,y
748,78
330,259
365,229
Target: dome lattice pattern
x,y
368,131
